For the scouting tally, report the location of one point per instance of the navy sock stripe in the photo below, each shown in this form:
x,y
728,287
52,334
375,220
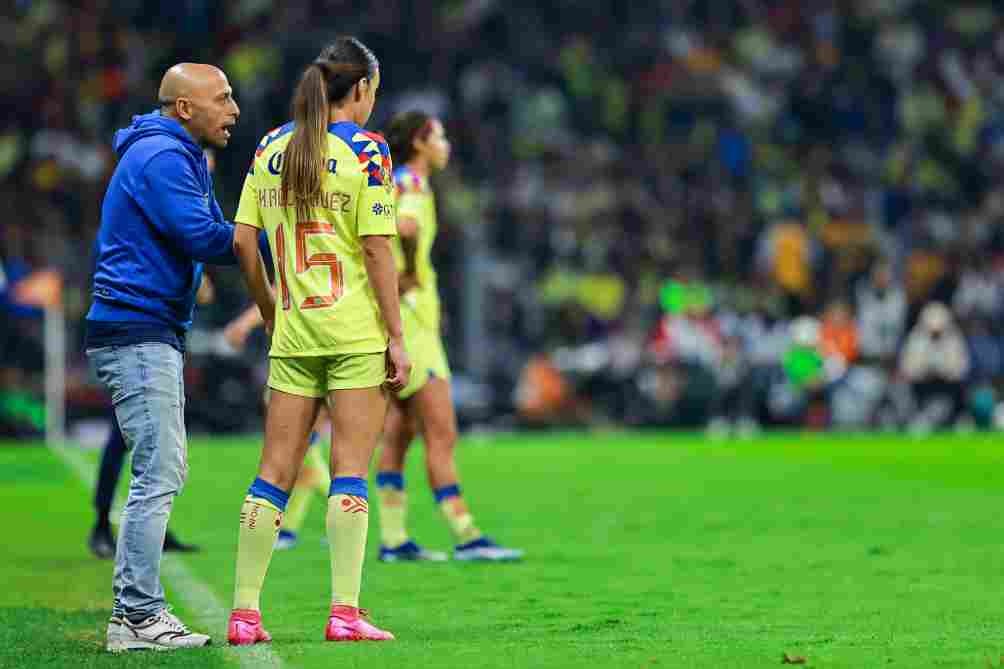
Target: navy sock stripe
x,y
349,485
390,480
446,492
266,490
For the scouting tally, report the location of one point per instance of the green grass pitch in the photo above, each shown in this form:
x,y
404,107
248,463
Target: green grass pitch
x,y
644,550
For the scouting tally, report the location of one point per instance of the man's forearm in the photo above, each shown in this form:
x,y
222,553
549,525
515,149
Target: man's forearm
x,y
383,276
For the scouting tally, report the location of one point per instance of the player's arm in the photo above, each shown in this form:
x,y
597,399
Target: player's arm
x,y
238,330
249,259
246,235
375,225
407,231
382,272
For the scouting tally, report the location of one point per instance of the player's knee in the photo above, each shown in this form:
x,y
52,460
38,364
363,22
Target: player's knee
x,y
392,456
280,474
441,439
439,453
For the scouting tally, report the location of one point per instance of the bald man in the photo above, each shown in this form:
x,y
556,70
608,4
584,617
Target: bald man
x,y
159,223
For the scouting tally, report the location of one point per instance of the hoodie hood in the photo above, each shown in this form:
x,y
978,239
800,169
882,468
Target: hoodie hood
x,y
152,124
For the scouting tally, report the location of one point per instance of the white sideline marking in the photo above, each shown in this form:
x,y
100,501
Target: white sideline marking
x,y
197,597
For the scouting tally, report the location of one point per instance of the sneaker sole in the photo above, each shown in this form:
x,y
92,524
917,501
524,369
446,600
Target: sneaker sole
x,y
230,642
354,639
124,645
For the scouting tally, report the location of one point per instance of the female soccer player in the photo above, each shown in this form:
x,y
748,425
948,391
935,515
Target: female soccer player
x,y
321,187
419,144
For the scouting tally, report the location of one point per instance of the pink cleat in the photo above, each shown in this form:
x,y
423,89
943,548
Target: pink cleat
x,y
245,628
347,623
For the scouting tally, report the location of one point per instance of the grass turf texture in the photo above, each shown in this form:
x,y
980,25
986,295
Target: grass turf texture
x,y
644,550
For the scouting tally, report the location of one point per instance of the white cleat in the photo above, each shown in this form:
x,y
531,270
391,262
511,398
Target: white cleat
x,y
161,631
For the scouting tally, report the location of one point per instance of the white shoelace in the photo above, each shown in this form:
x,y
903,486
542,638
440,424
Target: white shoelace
x,y
172,621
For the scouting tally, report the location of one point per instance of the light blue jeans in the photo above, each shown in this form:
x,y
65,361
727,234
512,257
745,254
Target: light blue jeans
x,y
147,389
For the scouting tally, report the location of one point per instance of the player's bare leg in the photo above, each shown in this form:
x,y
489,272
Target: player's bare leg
x,y
288,421
313,480
433,403
357,419
400,429
396,545
434,406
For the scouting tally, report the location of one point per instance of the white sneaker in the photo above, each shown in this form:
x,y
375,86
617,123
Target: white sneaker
x,y
161,631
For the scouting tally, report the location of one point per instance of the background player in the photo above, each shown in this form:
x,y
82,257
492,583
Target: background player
x,y
419,144
321,187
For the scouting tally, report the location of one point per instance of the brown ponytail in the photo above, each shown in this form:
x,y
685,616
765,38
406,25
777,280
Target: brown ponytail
x,y
304,160
326,81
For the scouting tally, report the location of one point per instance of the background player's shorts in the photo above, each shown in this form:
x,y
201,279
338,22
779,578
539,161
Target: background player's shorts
x,y
316,376
428,357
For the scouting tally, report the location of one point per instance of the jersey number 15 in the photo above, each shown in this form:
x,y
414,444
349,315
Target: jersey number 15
x,y
304,262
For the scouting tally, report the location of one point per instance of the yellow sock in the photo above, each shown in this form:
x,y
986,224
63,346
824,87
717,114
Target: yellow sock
x,y
296,511
260,521
347,522
393,509
458,517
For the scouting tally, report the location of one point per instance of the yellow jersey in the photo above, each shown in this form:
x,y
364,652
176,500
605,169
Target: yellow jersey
x,y
325,304
416,200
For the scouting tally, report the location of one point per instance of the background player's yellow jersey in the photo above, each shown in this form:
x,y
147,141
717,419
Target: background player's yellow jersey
x,y
415,200
325,304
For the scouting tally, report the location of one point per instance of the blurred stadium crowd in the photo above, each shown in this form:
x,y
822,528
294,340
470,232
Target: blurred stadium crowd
x,y
734,212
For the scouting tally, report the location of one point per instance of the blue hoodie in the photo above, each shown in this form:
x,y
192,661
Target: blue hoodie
x,y
159,222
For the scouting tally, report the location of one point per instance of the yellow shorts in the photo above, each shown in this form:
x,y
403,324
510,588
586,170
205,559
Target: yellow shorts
x,y
428,357
316,376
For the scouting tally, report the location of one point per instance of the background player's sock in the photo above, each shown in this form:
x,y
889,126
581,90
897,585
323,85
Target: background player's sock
x,y
261,516
348,521
454,509
393,509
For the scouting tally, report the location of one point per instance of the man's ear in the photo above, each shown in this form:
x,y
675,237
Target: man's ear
x,y
183,108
